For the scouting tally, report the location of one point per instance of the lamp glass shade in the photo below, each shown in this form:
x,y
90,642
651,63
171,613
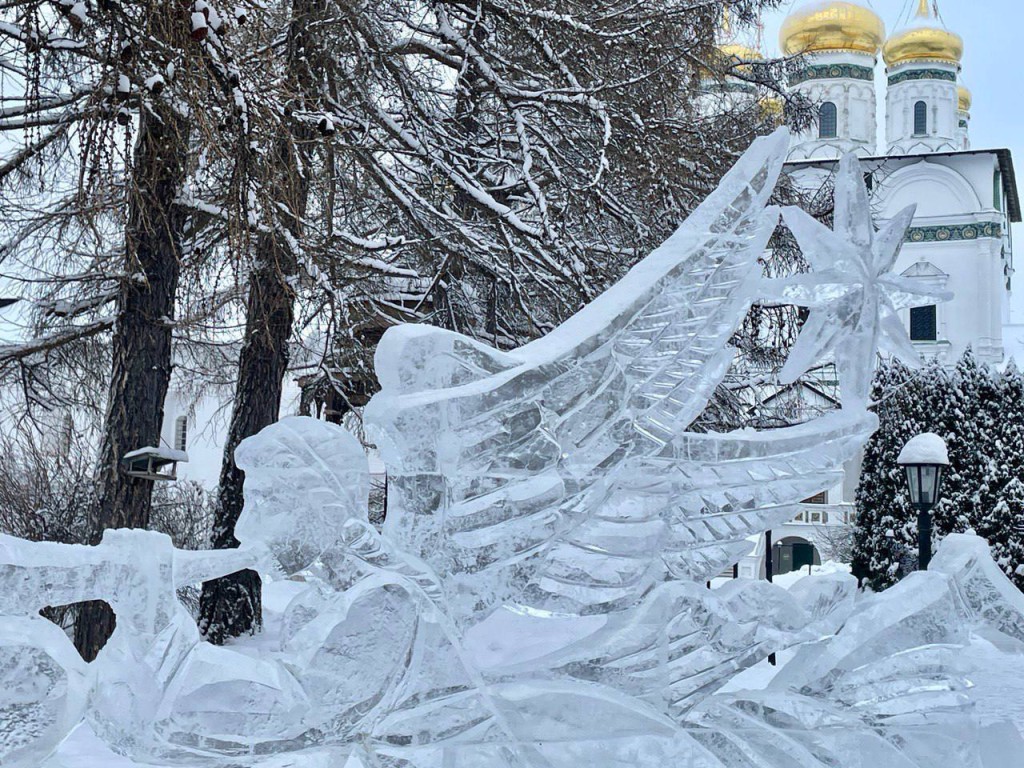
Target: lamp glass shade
x,y
925,482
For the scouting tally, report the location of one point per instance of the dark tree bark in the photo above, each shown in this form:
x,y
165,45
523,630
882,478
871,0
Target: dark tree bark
x,y
141,346
232,606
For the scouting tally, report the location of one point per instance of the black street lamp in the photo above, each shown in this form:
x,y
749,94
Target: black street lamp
x,y
925,459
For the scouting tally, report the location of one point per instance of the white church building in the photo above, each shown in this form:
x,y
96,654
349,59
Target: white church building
x,y
966,198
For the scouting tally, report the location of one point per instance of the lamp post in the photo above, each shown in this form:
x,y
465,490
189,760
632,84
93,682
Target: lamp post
x,y
924,459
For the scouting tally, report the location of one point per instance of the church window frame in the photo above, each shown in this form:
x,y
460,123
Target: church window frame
x,y
181,433
828,121
924,323
921,118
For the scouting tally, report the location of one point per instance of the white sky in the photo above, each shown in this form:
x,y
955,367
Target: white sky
x,y
993,33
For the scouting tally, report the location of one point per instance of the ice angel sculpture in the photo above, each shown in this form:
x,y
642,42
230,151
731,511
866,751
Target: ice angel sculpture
x,y
536,598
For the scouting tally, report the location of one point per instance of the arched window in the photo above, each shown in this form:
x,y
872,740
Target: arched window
x,y
828,121
920,119
181,433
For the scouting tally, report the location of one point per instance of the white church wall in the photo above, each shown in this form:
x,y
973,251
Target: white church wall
x,y
839,78
935,84
939,188
974,316
963,130
957,229
207,422
960,234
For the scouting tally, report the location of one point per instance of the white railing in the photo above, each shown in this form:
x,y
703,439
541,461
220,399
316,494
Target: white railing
x,y
826,514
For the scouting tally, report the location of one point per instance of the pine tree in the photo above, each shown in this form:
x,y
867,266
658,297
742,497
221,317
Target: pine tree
x,y
966,422
1003,526
980,414
881,539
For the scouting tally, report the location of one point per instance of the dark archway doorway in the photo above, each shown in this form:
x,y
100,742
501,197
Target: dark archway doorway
x,y
792,554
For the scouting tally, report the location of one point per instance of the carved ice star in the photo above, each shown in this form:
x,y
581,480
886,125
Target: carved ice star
x,y
853,296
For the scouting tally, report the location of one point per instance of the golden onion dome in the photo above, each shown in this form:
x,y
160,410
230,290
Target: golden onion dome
x,y
832,26
740,52
773,109
964,99
729,55
924,41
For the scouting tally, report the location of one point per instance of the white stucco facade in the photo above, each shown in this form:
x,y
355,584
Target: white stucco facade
x,y
960,238
205,422
845,80
933,86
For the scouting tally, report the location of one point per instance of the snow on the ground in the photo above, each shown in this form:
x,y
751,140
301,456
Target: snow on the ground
x,y
83,750
758,676
997,676
787,580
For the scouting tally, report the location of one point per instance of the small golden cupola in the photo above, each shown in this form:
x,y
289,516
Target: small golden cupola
x,y
924,107
832,26
924,40
964,98
729,66
740,52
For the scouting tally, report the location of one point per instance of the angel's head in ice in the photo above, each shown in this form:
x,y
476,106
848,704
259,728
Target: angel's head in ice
x,y
304,480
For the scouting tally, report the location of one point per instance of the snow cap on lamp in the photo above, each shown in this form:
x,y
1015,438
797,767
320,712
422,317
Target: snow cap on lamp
x,y
928,448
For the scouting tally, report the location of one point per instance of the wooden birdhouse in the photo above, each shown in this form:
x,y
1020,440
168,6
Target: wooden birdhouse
x,y
157,464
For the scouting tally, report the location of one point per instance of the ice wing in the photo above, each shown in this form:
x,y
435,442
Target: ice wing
x,y
494,457
689,511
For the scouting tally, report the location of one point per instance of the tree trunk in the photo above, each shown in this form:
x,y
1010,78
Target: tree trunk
x,y
232,606
141,346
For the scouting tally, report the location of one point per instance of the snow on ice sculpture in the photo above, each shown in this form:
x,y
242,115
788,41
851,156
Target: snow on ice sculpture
x,y
536,596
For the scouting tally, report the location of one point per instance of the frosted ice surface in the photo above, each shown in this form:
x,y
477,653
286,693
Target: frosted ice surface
x,y
892,687
536,598
43,689
992,599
